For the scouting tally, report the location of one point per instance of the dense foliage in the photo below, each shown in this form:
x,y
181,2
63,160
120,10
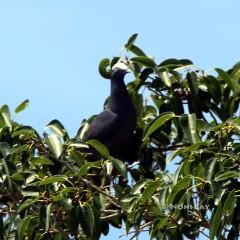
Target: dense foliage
x,y
186,182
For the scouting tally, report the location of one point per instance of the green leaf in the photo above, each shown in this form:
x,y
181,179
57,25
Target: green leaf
x,y
163,193
58,129
163,118
232,83
41,161
226,175
78,157
7,172
210,169
99,147
164,75
54,179
26,132
19,149
145,74
104,68
5,149
229,204
22,106
214,88
196,146
146,61
22,228
174,63
73,221
67,203
19,176
180,185
6,116
109,167
150,190
86,218
193,84
189,126
130,41
174,154
85,167
48,217
215,222
54,143
120,166
27,203
136,50
137,188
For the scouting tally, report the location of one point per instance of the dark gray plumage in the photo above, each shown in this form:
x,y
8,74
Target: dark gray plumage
x,y
114,126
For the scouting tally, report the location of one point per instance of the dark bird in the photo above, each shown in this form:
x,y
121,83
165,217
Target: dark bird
x,y
114,127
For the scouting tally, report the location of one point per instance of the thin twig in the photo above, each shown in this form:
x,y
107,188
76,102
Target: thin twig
x,y
117,214
171,147
111,198
136,232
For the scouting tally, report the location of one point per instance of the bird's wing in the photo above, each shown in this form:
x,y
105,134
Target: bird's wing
x,y
103,126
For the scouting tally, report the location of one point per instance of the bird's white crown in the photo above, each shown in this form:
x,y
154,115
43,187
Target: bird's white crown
x,y
120,65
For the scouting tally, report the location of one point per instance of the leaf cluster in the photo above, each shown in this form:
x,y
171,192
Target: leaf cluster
x,y
184,184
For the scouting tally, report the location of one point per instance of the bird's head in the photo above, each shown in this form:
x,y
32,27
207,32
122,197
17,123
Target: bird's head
x,y
119,70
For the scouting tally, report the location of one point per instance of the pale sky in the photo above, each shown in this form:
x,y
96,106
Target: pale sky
x,y
50,50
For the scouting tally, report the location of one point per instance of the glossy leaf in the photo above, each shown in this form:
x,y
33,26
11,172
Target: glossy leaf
x,y
86,219
226,175
163,118
174,154
145,61
164,75
48,217
175,63
22,230
109,167
99,147
104,68
150,189
209,173
55,144
54,179
216,222
193,83
131,41
22,106
182,184
137,188
229,203
232,83
136,50
41,161
84,168
120,166
214,88
58,129
189,126
28,203
6,116
5,149
145,74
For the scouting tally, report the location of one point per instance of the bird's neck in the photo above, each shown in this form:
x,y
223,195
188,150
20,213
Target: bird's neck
x,y
118,86
119,100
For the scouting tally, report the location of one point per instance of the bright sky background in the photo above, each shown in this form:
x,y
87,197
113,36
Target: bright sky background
x,y
50,50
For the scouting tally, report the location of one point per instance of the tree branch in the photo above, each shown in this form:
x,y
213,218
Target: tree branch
x,y
113,200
